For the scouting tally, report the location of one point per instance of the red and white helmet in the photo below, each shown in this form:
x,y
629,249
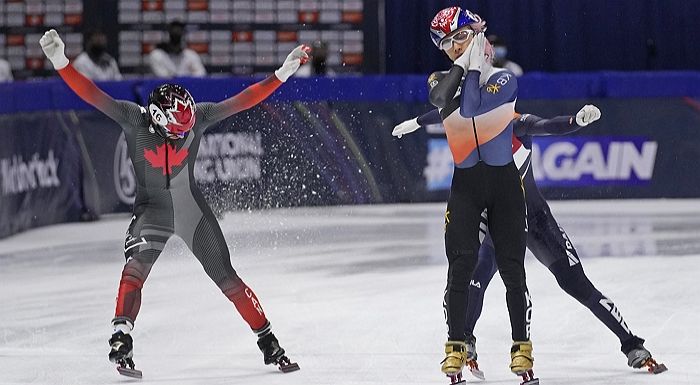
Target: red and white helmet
x,y
451,19
172,109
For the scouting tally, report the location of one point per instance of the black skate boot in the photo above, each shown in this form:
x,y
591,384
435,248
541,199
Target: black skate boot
x,y
121,351
273,353
638,356
121,347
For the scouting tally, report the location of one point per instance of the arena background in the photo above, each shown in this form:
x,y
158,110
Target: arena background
x,y
323,141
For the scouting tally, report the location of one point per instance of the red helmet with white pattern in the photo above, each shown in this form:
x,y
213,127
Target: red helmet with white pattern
x,y
451,19
172,109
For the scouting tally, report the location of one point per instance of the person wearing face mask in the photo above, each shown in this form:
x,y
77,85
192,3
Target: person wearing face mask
x,y
319,61
172,58
500,56
95,63
476,103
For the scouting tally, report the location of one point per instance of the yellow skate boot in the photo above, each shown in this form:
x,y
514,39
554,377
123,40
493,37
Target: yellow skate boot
x,y
521,362
455,358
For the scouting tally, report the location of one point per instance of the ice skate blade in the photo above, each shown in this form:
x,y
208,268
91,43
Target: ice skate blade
x,y
286,365
474,370
529,378
292,367
456,379
660,368
133,373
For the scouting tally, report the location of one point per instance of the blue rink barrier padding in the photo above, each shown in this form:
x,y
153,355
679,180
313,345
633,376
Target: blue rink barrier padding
x,y
54,94
328,141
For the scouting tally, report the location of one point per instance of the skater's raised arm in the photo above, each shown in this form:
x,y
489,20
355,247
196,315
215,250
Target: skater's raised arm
x,y
561,125
501,87
54,49
259,91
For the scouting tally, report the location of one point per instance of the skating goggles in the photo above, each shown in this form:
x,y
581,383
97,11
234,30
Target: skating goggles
x,y
459,37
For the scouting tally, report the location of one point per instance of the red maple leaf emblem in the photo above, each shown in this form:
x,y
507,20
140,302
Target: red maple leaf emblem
x,y
182,111
157,158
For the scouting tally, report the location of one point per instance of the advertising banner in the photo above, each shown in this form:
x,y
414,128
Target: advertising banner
x,y
278,154
593,161
288,154
40,173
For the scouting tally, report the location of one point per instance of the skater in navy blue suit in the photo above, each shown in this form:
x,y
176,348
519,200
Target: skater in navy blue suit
x,y
548,242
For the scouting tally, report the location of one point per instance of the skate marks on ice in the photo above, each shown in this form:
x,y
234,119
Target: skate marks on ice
x,y
354,295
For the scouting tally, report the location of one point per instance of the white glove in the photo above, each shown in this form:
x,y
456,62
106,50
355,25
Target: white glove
x,y
54,49
406,127
587,115
463,60
295,59
477,52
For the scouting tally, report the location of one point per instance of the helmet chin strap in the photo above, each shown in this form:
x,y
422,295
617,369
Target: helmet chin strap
x,y
162,132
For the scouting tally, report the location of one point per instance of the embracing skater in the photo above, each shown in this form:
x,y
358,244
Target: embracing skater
x,y
547,241
163,140
478,122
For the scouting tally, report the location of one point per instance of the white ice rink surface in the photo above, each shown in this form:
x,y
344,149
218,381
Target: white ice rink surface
x,y
354,295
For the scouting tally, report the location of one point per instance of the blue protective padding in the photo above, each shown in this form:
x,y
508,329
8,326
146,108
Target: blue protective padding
x,y
53,94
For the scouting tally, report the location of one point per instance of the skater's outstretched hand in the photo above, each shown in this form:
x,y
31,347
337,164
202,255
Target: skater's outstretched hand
x,y
406,127
587,115
54,49
295,59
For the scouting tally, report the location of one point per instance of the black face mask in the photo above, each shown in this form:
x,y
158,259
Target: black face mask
x,y
175,39
319,64
96,50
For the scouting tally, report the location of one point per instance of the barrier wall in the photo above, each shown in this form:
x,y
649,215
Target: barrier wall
x,y
40,181
328,141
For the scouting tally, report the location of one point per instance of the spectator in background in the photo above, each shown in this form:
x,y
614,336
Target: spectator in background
x,y
95,63
5,71
500,56
171,58
319,56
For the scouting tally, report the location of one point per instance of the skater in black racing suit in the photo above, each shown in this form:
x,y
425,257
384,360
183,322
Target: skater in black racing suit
x,y
163,140
547,241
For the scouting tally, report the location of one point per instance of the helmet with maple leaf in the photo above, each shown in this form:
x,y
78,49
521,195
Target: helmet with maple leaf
x,y
172,110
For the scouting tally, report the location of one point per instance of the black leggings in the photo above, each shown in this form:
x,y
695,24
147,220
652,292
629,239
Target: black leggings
x,y
552,247
497,189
